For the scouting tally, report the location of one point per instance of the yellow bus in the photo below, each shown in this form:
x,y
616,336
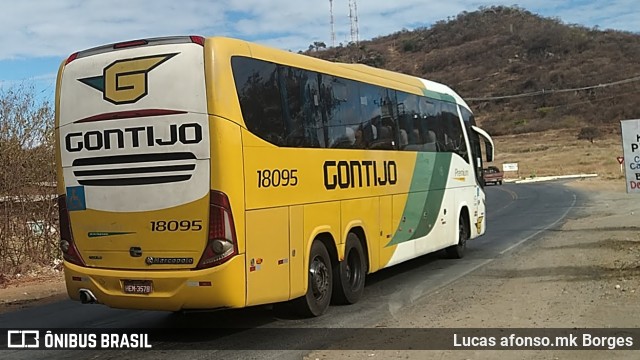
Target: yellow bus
x,y
214,173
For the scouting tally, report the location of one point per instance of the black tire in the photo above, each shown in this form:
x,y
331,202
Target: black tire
x,y
457,251
500,182
350,273
320,284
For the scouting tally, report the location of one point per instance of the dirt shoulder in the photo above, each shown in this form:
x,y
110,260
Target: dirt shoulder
x,y
585,275
30,290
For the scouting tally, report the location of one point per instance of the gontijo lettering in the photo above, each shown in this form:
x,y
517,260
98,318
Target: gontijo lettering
x,y
349,174
133,137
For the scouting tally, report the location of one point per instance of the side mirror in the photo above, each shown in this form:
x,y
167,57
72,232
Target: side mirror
x,y
487,141
489,151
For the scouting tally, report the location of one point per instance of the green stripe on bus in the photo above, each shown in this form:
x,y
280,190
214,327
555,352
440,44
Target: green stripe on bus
x,y
439,96
95,234
425,197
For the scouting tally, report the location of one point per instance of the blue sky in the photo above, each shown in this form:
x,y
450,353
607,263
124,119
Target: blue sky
x,y
39,34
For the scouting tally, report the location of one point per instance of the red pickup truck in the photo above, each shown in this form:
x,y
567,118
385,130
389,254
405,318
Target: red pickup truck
x,y
492,175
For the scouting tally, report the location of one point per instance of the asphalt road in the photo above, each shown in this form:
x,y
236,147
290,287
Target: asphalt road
x,y
517,214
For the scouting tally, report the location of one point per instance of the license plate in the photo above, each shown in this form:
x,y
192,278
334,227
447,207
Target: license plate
x,y
138,286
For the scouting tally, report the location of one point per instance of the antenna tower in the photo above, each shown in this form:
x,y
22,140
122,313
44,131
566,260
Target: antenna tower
x,y
333,32
353,17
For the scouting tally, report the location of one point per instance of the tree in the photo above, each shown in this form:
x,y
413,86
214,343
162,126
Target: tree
x,y
27,181
589,133
317,45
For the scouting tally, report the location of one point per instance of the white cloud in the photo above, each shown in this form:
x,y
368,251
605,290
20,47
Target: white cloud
x,y
35,28
61,27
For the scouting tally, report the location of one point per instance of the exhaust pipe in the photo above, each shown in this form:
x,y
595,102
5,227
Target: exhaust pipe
x,y
87,297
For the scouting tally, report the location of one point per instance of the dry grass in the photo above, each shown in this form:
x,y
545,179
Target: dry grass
x,y
558,152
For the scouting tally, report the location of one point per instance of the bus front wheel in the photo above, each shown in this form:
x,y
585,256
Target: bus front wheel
x,y
320,284
457,251
350,273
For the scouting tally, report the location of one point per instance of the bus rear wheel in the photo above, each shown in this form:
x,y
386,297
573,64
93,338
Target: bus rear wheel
x,y
350,273
320,284
457,251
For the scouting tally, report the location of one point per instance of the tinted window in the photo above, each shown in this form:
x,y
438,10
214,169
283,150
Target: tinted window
x,y
292,107
369,103
388,125
301,108
454,136
259,95
416,120
474,142
380,116
341,106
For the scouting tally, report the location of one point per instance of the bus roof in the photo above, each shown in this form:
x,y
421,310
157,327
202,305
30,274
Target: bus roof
x,y
409,79
359,72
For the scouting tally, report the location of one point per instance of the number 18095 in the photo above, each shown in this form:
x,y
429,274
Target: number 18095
x,y
176,225
277,178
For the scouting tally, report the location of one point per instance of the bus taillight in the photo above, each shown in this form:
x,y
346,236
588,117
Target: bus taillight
x,y
71,58
67,245
197,40
128,44
222,244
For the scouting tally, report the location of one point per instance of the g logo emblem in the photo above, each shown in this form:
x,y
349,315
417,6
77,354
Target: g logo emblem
x,y
125,81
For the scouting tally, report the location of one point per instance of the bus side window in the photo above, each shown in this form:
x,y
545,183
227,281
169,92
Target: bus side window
x,y
410,137
441,127
340,106
455,136
301,110
259,95
429,123
474,142
386,123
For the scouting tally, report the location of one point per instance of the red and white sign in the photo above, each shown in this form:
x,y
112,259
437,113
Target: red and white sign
x,y
620,160
631,151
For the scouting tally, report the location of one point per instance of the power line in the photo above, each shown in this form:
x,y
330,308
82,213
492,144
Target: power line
x,y
556,91
593,100
567,105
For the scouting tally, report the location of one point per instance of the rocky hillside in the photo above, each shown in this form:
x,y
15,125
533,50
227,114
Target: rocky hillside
x,y
519,71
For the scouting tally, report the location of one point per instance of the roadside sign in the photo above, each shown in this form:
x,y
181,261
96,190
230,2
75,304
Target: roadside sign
x,y
631,151
620,160
510,167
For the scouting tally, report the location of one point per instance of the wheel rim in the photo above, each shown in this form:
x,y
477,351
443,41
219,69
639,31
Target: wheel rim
x,y
319,278
353,274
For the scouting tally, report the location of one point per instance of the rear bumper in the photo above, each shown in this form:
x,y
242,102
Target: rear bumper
x,y
173,290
